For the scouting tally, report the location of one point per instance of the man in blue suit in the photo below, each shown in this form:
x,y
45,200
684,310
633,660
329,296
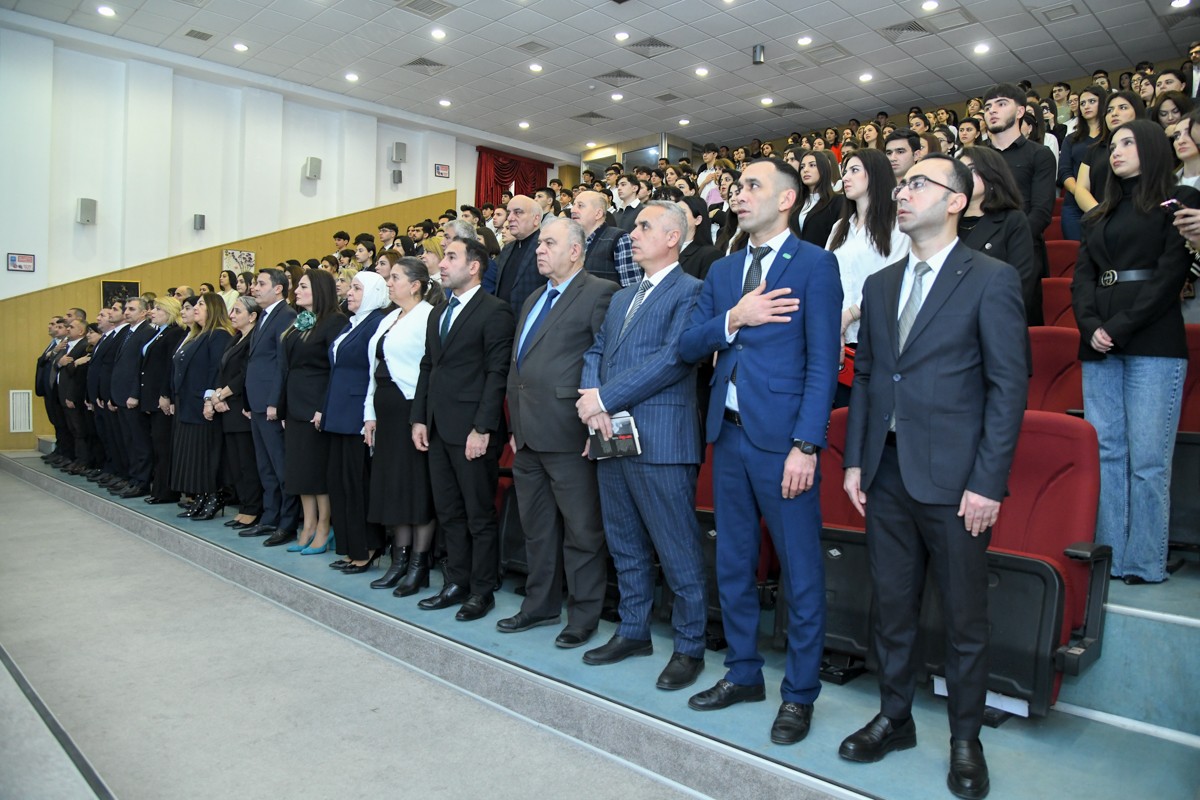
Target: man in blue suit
x,y
772,313
647,500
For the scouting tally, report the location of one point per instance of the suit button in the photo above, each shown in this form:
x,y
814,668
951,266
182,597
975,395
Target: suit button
x,y
738,347
896,377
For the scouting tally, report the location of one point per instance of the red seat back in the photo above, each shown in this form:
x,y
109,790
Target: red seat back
x,y
1057,381
1061,256
1189,418
1058,204
704,484
836,510
1054,230
1056,302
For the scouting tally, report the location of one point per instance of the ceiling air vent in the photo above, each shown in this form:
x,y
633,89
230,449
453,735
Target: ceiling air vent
x,y
791,65
668,98
425,66
948,20
787,108
429,9
201,35
826,54
195,3
533,48
904,32
1187,15
649,47
1059,13
591,117
618,77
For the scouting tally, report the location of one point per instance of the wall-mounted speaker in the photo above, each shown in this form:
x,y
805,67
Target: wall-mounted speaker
x,y
397,177
399,152
312,168
85,211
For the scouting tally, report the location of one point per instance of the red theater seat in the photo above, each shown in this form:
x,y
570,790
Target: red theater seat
x,y
1061,256
1189,417
1057,380
1054,229
1056,302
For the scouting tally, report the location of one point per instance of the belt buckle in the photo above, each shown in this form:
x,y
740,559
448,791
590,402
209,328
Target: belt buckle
x,y
1108,277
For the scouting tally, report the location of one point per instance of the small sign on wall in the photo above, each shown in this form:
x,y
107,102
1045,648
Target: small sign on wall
x,y
441,170
21,262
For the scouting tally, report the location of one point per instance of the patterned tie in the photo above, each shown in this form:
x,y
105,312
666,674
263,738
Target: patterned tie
x,y
753,279
909,315
643,288
446,319
537,323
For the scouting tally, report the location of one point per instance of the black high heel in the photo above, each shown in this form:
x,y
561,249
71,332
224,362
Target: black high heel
x,y
190,510
400,558
211,506
355,569
416,578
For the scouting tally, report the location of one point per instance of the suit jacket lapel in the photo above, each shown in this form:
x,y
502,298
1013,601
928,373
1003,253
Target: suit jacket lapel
x,y
560,307
457,323
783,260
892,278
948,278
655,298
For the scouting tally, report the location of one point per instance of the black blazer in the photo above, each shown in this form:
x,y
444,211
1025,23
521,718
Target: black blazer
x,y
1004,235
819,224
195,373
45,368
232,373
156,367
697,258
103,365
127,369
461,384
304,361
72,380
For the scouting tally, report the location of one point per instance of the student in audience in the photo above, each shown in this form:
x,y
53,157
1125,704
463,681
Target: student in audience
x,y
1094,171
156,392
228,287
1131,268
817,207
901,148
329,264
871,136
229,400
342,285
968,132
1170,107
364,255
1186,152
1088,128
245,282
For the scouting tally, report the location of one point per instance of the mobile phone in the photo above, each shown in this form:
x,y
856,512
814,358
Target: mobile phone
x,y
1171,204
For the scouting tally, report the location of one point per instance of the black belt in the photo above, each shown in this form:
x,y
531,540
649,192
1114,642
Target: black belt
x,y
890,439
733,416
1112,277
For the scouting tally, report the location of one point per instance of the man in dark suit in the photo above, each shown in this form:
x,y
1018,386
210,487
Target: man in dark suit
x,y
648,499
627,195
516,266
43,387
101,459
458,418
556,487
71,377
264,383
126,391
939,394
116,469
767,420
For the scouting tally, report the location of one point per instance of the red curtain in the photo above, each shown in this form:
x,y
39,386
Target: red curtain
x,y
498,171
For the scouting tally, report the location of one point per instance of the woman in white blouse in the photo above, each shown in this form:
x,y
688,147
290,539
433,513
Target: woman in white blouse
x,y
865,239
401,496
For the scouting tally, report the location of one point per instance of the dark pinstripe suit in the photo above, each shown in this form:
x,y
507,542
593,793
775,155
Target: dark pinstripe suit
x,y
647,500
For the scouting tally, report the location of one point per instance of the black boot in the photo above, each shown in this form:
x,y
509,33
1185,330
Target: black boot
x,y
400,559
192,509
416,578
211,506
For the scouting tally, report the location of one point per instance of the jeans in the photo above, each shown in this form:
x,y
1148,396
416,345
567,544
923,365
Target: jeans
x,y
1072,227
1133,402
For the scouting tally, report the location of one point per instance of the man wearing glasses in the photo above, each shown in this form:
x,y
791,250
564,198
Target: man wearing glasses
x,y
939,394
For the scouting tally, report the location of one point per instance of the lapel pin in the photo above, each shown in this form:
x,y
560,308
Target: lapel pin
x,y
960,272
787,255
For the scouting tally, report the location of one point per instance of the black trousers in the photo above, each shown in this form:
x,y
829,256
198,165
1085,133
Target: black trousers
x,y
349,478
97,453
241,471
64,443
904,538
135,428
73,420
465,500
161,433
108,427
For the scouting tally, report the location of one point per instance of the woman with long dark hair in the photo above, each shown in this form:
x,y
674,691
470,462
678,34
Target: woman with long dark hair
x,y
728,235
817,206
404,509
869,135
304,358
229,400
245,282
1169,108
1093,173
1089,127
227,287
1131,268
155,396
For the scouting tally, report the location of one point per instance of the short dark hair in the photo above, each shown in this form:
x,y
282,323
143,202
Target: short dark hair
x,y
1104,72
1006,90
278,277
546,190
1141,65
790,176
476,251
364,237
906,135
471,210
487,207
389,226
345,237
711,147
974,123
1063,84
427,226
960,174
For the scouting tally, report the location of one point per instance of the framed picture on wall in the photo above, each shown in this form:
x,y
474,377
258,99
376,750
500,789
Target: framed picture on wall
x,y
111,291
21,262
238,261
441,170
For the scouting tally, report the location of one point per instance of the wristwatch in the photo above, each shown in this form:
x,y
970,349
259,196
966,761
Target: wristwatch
x,y
808,448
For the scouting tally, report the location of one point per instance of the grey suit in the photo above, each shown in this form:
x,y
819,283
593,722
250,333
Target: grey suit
x,y
557,492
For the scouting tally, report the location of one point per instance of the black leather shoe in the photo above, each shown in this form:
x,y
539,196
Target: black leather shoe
x,y
617,649
475,607
968,777
118,486
791,723
881,736
725,694
134,490
99,477
280,537
451,595
340,564
257,530
681,672
523,622
93,474
573,637
158,501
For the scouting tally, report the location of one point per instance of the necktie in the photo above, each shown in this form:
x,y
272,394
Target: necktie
x,y
753,279
537,323
913,305
643,288
447,317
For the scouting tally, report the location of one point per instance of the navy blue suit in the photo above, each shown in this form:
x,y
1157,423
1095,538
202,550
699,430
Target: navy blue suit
x,y
127,385
647,500
786,378
264,382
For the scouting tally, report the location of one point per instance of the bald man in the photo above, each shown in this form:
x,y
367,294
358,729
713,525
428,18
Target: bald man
x,y
516,266
609,251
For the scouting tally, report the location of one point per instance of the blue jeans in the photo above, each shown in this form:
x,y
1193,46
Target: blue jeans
x,y
1133,402
1072,228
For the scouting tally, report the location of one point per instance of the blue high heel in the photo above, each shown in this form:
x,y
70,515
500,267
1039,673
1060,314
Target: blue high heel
x,y
299,548
310,551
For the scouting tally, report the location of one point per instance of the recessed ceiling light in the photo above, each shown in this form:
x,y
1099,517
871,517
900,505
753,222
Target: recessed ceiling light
x,y
685,122
804,41
522,125
866,76
241,48
701,71
1180,3
618,96
535,67
105,11
982,48
351,76
929,5
444,103
766,101
621,36
590,144
438,34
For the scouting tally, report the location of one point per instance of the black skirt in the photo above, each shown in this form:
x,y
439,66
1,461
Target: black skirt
x,y
307,459
196,457
401,493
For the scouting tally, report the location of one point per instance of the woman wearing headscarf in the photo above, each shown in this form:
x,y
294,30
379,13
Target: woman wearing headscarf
x,y
342,419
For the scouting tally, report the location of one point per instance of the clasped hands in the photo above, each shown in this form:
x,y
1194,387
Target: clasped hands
x,y
592,414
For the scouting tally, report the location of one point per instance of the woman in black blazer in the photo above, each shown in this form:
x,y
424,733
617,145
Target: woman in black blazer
x,y
155,396
229,400
817,206
1131,268
995,225
304,358
196,460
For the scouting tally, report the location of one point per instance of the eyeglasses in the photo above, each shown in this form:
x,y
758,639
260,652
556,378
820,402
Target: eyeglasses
x,y
916,184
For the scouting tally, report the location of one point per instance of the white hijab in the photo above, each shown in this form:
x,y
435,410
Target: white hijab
x,y
375,296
